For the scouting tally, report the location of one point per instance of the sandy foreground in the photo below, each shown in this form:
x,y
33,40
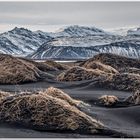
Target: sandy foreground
x,y
86,81
122,118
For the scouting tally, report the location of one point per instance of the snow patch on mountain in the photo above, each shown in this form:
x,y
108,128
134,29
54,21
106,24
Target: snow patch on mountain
x,y
78,31
121,31
20,41
134,32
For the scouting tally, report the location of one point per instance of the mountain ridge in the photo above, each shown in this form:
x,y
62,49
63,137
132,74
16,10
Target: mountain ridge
x,y
76,42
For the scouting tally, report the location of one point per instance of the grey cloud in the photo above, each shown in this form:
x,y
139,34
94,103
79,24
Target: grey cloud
x,y
100,14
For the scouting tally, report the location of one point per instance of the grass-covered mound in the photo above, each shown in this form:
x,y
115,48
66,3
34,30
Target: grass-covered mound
x,y
118,81
77,73
134,99
4,95
115,61
108,100
15,70
56,65
57,93
48,65
45,112
125,81
43,66
130,70
98,65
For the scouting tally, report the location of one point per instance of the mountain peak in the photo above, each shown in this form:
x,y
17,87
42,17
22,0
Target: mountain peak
x,y
84,28
18,30
135,32
76,30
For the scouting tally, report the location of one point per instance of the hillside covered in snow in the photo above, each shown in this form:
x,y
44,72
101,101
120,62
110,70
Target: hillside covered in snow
x,y
72,42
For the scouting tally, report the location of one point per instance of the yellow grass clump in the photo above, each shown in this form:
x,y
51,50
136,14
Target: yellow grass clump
x,y
56,65
4,95
100,66
57,93
48,65
108,100
45,112
134,99
130,70
14,70
18,70
79,73
125,81
115,61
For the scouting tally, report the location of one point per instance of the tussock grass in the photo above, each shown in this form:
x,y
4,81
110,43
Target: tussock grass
x,y
98,65
108,100
57,93
130,70
115,61
44,111
57,65
134,99
20,70
4,95
125,81
118,81
79,73
40,65
48,65
14,70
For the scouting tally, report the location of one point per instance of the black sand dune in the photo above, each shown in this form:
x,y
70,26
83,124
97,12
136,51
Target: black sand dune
x,y
111,117
122,118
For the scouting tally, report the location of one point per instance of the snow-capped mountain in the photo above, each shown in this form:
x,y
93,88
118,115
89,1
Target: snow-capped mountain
x,y
121,31
73,42
126,47
135,32
78,31
85,46
21,42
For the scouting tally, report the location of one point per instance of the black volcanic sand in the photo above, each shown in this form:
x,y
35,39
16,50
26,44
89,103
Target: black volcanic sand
x,y
122,117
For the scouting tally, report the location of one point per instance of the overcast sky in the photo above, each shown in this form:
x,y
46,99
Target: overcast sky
x,y
48,16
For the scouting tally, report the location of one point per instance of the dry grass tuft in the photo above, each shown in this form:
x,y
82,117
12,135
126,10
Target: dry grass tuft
x,y
108,100
116,61
4,95
47,113
14,70
130,70
100,66
134,99
118,81
57,93
125,81
48,65
79,73
17,70
40,65
56,65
